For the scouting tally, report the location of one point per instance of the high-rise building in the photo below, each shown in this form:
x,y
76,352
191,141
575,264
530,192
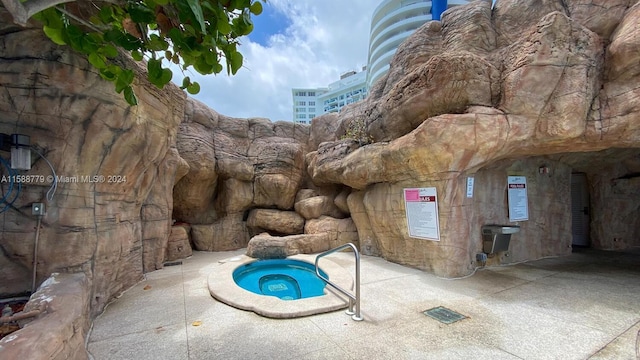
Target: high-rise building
x,y
350,88
309,103
393,21
306,105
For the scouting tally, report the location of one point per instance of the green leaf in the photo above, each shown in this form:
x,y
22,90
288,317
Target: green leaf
x,y
202,67
156,43
193,88
154,68
130,96
256,8
98,61
91,44
106,14
186,82
223,26
54,34
136,55
110,73
109,51
125,41
128,42
235,61
112,35
211,58
125,78
157,75
197,13
50,18
74,36
166,77
141,14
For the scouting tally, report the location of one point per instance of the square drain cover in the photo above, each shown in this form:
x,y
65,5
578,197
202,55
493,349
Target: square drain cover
x,y
444,315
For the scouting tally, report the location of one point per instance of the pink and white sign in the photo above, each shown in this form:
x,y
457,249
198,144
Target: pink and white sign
x,y
421,206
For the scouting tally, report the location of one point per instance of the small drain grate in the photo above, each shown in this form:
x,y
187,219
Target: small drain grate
x,y
444,315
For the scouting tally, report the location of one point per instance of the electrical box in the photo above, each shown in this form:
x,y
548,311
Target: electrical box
x,y
37,209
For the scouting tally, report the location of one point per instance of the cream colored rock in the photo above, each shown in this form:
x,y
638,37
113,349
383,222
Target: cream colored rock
x,y
234,196
278,221
417,49
193,194
367,239
178,245
446,83
304,194
600,16
512,23
341,201
339,231
60,331
542,74
323,128
265,246
228,233
313,208
469,28
279,170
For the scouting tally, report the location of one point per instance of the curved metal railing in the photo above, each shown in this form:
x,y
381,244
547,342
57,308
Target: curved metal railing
x,y
354,299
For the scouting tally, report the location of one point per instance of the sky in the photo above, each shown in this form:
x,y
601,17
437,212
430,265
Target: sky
x,y
295,43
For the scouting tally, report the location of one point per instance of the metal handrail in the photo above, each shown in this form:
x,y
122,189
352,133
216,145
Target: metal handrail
x,y
353,298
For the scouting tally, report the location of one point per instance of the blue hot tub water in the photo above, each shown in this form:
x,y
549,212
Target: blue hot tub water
x,y
283,278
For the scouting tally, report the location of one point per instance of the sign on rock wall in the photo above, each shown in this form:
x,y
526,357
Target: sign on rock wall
x,y
421,206
518,202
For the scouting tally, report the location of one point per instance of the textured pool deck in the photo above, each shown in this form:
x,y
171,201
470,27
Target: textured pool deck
x,y
584,306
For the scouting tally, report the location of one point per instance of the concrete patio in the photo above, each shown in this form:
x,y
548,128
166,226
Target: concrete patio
x,y
585,306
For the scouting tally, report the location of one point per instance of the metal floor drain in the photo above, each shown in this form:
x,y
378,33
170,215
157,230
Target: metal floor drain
x,y
444,315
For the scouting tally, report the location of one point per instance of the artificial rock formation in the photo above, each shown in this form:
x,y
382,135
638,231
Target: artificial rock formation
x,y
112,228
178,244
265,246
484,93
59,329
282,222
488,93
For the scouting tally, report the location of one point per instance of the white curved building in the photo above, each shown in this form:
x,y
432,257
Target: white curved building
x,y
392,22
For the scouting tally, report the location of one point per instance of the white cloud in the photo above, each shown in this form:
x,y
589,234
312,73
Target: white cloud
x,y
325,38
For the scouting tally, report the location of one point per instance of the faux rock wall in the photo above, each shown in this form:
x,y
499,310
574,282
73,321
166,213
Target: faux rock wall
x,y
59,331
488,92
548,230
112,229
485,93
615,219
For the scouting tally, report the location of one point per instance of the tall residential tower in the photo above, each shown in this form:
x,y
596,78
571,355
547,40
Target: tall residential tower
x,y
393,22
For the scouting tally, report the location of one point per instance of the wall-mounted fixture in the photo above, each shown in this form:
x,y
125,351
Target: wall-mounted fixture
x,y
496,238
20,147
543,170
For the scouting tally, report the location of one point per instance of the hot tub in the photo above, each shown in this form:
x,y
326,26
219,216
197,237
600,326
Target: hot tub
x,y
273,292
286,279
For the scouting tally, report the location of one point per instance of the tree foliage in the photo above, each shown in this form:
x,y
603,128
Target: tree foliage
x,y
199,34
